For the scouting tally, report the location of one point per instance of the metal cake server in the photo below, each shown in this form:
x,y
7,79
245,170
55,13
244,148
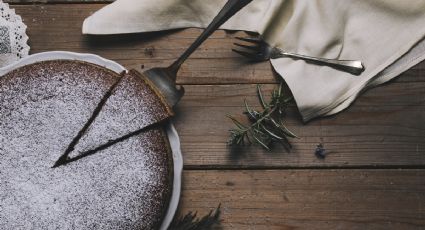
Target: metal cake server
x,y
165,78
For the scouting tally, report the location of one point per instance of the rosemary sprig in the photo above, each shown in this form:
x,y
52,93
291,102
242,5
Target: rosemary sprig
x,y
191,222
267,126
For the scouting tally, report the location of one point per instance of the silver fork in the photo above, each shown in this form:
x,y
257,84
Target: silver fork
x,y
261,51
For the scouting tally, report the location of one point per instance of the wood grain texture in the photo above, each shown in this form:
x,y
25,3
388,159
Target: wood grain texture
x,y
309,199
385,127
58,27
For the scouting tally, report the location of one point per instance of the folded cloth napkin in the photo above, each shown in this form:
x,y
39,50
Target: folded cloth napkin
x,y
388,36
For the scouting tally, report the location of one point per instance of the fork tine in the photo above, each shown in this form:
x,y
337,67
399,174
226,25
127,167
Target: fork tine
x,y
245,54
252,40
255,48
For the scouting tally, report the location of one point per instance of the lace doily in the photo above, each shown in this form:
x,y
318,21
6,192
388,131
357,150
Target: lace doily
x,y
13,39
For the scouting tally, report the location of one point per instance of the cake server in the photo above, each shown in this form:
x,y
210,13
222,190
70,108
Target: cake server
x,y
165,78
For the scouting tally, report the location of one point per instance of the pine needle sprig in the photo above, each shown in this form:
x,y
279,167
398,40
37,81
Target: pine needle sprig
x,y
267,126
190,221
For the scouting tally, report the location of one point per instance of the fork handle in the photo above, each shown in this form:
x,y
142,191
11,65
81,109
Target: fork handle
x,y
229,9
351,66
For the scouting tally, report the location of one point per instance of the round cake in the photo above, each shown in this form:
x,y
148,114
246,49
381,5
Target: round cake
x,y
122,180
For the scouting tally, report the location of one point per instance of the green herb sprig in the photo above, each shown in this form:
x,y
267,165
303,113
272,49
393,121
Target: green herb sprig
x,y
191,222
267,126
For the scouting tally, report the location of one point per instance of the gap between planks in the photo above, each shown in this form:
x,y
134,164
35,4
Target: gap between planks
x,y
297,168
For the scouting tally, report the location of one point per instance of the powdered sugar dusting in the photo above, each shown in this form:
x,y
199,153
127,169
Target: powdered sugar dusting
x,y
132,106
50,101
42,108
121,187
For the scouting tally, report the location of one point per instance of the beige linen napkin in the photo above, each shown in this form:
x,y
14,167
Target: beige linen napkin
x,y
387,35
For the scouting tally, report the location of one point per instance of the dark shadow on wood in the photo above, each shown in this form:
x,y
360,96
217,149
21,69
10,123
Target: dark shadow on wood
x,y
114,40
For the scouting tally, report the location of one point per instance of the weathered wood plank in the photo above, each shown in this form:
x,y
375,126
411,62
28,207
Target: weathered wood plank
x,y
385,127
306,199
58,27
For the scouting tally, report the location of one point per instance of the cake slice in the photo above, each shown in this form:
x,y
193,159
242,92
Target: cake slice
x,y
133,105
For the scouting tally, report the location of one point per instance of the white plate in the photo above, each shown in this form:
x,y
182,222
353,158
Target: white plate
x,y
171,131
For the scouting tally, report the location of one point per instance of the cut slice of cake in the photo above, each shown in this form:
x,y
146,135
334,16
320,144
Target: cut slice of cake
x,y
133,105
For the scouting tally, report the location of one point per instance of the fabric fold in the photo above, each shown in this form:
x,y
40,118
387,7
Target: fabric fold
x,y
386,35
129,16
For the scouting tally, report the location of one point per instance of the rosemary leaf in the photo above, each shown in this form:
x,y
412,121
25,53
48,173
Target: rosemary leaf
x,y
249,110
261,98
237,123
287,131
280,90
266,126
260,142
272,134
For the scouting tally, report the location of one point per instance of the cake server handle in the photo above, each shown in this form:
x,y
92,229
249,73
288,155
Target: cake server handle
x,y
229,9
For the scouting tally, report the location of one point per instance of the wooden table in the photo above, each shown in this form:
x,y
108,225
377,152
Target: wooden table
x,y
374,176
